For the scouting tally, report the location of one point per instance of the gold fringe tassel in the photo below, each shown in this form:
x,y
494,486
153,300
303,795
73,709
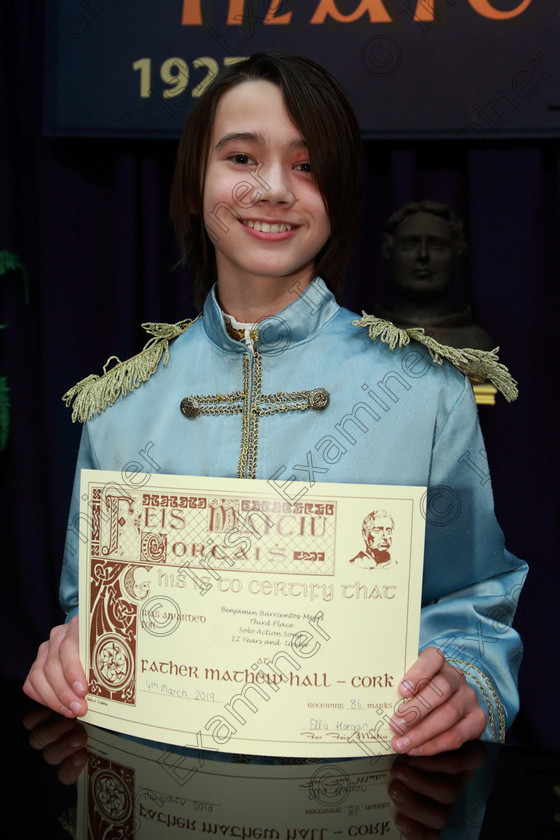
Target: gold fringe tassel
x,y
94,394
480,365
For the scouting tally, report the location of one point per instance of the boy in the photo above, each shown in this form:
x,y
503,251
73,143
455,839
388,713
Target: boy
x,y
276,381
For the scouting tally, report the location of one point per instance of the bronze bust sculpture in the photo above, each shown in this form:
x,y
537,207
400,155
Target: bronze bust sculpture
x,y
423,244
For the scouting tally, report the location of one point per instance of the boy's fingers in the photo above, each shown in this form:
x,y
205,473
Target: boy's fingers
x,y
440,734
63,654
441,711
438,693
38,686
56,678
430,661
440,720
70,659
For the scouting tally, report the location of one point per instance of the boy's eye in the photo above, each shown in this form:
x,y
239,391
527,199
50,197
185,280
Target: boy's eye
x,y
244,160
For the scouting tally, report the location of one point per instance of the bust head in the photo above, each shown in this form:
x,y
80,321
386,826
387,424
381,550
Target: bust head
x,y
423,242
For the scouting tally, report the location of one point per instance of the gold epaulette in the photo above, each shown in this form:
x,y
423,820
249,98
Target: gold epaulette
x,y
479,365
96,393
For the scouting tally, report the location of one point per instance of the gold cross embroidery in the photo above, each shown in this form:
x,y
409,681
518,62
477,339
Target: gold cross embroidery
x,y
252,404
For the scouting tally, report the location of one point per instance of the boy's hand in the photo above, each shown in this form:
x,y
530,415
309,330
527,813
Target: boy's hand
x,y
443,711
56,678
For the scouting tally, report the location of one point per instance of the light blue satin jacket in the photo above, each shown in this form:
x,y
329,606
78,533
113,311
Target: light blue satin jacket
x,y
393,417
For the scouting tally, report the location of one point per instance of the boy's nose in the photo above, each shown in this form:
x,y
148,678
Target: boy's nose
x,y
280,187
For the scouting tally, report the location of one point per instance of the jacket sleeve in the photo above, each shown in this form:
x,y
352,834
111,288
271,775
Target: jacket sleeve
x,y
76,531
471,582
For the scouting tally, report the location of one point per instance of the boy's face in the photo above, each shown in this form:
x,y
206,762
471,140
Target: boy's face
x,y
262,208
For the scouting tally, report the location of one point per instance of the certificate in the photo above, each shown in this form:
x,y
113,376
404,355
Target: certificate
x,y
214,614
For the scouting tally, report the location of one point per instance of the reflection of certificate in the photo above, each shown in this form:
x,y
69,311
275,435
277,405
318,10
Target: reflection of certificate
x,y
215,614
133,790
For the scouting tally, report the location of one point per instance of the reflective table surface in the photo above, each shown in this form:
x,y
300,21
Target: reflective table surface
x,y
65,779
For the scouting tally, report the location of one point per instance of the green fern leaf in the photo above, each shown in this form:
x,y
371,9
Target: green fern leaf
x,y
10,262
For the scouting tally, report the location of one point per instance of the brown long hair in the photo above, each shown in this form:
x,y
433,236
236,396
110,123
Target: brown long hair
x,y
320,109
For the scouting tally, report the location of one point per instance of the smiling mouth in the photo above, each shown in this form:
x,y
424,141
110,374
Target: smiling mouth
x,y
266,227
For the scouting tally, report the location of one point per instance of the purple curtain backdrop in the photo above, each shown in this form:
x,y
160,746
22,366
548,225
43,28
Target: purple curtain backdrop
x,y
89,219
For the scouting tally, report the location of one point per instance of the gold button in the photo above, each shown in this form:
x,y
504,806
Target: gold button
x,y
318,399
190,407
